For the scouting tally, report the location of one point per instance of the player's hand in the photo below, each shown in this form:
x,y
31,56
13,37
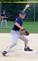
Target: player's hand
x,y
22,27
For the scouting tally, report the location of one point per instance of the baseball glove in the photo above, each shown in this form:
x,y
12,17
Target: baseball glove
x,y
24,32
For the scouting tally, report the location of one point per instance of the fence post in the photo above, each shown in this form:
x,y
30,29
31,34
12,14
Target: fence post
x,y
0,7
34,12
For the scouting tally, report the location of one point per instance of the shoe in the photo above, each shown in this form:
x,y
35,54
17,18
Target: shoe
x,y
27,49
4,53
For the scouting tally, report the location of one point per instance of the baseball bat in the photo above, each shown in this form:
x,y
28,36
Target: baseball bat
x,y
26,7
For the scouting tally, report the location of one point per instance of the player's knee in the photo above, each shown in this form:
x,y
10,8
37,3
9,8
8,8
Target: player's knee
x,y
14,43
27,38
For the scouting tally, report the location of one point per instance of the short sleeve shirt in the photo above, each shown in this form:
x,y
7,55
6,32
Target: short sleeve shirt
x,y
20,22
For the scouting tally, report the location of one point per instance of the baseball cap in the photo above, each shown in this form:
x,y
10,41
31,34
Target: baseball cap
x,y
22,12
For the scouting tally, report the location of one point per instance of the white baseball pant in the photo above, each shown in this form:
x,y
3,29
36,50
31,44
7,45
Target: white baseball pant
x,y
15,35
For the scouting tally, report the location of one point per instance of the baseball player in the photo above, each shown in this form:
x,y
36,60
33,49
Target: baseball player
x,y
15,35
4,18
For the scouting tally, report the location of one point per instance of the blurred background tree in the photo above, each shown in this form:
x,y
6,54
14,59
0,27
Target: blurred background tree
x,y
15,0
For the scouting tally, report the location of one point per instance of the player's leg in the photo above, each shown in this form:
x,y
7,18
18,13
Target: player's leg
x,y
5,22
26,39
2,21
14,39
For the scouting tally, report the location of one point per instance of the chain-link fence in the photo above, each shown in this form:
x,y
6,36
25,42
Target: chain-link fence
x,y
12,10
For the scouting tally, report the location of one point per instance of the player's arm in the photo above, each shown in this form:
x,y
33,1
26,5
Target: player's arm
x,y
18,25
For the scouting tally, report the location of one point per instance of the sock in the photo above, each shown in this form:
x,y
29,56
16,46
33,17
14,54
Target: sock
x,y
26,45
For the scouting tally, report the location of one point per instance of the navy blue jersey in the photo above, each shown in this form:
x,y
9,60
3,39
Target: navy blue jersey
x,y
20,22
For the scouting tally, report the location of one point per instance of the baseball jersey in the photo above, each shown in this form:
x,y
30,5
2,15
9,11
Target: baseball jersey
x,y
19,21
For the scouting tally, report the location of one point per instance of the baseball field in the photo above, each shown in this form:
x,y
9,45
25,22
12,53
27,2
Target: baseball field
x,y
17,53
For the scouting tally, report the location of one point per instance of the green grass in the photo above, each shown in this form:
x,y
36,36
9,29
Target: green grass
x,y
31,26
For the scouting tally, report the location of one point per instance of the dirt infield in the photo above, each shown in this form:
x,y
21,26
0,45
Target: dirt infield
x,y
17,53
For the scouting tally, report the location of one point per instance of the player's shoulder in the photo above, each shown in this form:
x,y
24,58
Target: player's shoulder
x,y
17,19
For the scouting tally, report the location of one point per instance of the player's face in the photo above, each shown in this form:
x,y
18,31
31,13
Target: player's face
x,y
22,16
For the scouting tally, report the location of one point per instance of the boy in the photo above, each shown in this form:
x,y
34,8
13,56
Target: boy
x,y
16,35
4,18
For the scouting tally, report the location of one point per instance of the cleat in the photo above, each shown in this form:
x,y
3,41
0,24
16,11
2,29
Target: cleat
x,y
4,53
27,49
